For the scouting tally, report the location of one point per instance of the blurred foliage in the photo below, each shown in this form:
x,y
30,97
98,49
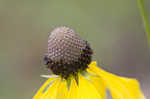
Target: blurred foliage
x,y
113,28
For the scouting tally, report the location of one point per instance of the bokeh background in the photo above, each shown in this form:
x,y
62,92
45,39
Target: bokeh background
x,y
113,28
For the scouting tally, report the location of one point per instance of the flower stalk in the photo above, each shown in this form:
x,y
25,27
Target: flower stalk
x,y
145,20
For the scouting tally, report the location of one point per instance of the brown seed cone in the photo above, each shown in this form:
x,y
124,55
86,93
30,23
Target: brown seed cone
x,y
64,44
67,53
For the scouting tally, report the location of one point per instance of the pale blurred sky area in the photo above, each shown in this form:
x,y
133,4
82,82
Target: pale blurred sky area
x,y
113,28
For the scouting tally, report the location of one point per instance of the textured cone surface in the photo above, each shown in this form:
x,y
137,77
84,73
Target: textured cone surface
x,y
67,53
64,44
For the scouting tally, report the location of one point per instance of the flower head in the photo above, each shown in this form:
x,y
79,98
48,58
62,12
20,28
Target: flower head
x,y
75,76
67,53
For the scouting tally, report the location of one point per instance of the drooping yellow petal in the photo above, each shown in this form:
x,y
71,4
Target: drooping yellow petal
x,y
72,94
51,92
62,90
86,89
120,87
39,94
134,86
99,83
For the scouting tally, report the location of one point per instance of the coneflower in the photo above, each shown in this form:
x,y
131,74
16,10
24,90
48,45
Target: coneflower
x,y
76,76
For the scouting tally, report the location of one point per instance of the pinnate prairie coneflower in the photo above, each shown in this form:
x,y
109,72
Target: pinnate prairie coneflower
x,y
76,76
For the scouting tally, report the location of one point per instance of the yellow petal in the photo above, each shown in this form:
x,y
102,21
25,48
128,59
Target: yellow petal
x,y
39,93
86,89
99,84
72,94
120,87
62,90
133,85
51,92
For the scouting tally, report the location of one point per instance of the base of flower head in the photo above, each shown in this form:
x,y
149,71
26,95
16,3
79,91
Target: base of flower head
x,y
65,69
85,74
92,84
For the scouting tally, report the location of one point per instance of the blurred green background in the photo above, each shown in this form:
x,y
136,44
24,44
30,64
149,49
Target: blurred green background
x,y
113,28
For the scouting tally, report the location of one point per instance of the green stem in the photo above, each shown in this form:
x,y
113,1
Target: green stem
x,y
145,19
